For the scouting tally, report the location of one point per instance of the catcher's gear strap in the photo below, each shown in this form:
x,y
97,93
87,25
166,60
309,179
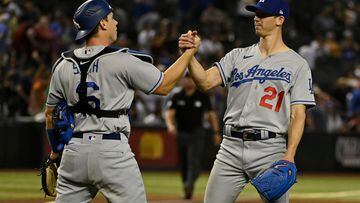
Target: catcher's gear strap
x,y
83,106
140,55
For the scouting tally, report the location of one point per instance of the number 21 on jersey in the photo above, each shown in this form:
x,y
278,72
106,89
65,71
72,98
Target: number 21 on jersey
x,y
271,98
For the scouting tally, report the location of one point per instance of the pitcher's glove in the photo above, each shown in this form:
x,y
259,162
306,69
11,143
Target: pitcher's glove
x,y
48,173
276,180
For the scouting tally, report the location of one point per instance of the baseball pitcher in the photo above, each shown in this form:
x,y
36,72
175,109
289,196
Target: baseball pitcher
x,y
97,83
269,88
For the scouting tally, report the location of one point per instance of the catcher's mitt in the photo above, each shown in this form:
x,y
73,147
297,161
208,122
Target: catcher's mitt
x,y
48,173
276,180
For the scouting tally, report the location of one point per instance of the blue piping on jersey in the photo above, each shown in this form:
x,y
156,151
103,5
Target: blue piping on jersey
x,y
57,97
50,104
261,79
138,54
141,55
152,89
222,73
304,101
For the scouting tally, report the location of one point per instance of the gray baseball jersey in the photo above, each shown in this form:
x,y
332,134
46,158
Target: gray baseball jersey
x,y
261,90
91,163
115,74
260,94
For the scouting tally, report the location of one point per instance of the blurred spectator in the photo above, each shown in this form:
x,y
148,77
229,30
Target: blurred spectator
x,y
34,32
145,37
11,7
155,116
211,48
16,91
331,46
30,11
158,42
353,125
152,106
139,109
324,22
123,41
334,121
212,20
142,7
349,48
325,116
316,119
354,95
3,40
311,52
42,39
39,90
121,17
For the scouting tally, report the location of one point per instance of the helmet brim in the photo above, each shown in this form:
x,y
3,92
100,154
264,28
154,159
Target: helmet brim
x,y
82,33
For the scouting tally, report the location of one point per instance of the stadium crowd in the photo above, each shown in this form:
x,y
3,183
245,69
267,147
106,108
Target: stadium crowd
x,y
33,33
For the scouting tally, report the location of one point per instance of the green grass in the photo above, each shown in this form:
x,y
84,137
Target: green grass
x,y
20,185
159,184
26,184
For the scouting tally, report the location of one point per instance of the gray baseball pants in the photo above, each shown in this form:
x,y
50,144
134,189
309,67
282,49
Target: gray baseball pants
x,y
237,162
92,164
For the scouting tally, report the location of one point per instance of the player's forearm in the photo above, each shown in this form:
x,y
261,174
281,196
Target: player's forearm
x,y
174,73
296,130
213,120
51,133
48,118
199,75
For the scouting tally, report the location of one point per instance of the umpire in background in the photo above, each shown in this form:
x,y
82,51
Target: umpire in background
x,y
188,108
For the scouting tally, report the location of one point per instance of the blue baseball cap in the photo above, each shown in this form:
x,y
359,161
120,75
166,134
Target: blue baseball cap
x,y
273,7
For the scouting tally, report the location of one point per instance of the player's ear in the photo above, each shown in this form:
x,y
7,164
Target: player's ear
x,y
280,20
102,24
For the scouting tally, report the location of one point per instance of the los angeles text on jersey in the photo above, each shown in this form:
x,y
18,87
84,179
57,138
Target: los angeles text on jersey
x,y
260,74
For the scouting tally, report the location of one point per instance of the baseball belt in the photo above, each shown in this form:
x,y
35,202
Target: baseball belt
x,y
110,136
251,136
248,135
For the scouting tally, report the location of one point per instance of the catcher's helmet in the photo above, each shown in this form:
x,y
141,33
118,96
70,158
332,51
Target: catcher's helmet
x,y
88,15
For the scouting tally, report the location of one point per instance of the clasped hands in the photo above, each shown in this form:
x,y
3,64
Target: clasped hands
x,y
189,40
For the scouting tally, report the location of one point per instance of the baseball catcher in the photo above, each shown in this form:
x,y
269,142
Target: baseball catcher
x,y
63,123
276,180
